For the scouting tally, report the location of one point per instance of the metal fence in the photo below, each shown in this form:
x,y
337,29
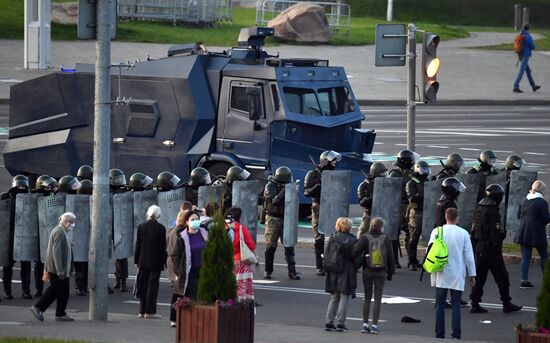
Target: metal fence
x,y
186,11
337,12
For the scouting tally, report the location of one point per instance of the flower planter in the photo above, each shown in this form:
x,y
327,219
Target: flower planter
x,y
532,337
215,324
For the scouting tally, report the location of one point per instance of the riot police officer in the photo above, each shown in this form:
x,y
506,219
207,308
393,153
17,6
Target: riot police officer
x,y
198,177
274,202
415,194
117,184
312,189
451,188
451,167
81,267
45,185
403,168
233,174
85,172
86,187
487,166
141,182
513,162
365,192
167,181
487,236
68,184
20,185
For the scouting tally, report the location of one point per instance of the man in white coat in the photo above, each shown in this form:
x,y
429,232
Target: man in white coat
x,y
460,264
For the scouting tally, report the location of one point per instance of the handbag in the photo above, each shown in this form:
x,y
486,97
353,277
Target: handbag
x,y
247,255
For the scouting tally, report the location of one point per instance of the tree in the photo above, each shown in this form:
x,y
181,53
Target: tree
x,y
217,280
543,301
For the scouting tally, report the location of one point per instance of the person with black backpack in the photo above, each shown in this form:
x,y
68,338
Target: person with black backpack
x,y
378,266
341,269
523,44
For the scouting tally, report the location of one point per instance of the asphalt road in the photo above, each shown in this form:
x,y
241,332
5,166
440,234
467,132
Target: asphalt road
x,y
440,131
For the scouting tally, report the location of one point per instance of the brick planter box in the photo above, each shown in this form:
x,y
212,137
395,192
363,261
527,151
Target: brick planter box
x,y
532,337
215,324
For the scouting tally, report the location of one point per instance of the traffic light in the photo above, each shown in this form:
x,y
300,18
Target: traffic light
x,y
430,67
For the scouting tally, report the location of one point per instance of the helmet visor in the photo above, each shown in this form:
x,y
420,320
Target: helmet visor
x,y
147,181
244,175
519,163
424,170
175,180
334,156
460,187
119,180
492,161
74,184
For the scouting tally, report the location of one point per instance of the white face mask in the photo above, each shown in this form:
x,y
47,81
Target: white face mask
x,y
71,227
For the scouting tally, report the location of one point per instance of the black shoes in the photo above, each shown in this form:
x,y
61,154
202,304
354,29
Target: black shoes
x,y
522,285
293,276
37,313
267,276
330,327
320,272
510,307
536,88
26,295
8,296
123,288
517,90
476,308
64,319
342,328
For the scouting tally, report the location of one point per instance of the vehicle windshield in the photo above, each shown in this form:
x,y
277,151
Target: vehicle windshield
x,y
319,102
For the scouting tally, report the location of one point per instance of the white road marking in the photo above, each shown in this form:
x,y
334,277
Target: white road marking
x,y
437,132
11,323
469,149
438,146
535,153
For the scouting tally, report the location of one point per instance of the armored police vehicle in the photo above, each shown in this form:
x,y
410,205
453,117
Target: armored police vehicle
x,y
239,107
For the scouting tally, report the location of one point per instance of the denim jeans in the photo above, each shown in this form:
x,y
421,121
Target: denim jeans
x,y
524,68
440,298
337,308
526,260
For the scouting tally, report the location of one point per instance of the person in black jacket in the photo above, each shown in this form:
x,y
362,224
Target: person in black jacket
x,y
486,167
451,167
365,192
117,184
233,174
150,257
376,254
198,177
341,285
487,236
312,189
451,188
20,184
533,217
274,200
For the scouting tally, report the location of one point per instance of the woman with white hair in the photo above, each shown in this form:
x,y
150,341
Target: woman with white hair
x,y
57,270
150,258
533,216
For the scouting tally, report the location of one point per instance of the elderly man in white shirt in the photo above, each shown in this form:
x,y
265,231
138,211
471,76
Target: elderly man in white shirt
x,y
460,264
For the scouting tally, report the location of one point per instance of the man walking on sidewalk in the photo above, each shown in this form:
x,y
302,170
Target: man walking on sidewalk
x,y
58,270
459,265
524,53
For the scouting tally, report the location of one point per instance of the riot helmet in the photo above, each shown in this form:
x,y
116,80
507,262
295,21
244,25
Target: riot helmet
x,y
283,175
488,157
495,192
452,186
117,178
405,159
68,184
328,158
140,181
46,182
236,174
454,161
199,177
39,181
422,168
86,187
167,180
514,162
378,169
85,172
20,181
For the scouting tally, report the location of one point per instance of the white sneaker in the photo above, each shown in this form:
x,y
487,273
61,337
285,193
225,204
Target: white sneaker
x,y
365,328
374,329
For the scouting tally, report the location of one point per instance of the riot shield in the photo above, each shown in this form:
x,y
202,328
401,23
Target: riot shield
x,y
432,193
467,200
79,204
26,242
520,184
335,198
209,194
386,203
170,203
123,225
499,179
142,201
245,196
49,210
292,207
5,207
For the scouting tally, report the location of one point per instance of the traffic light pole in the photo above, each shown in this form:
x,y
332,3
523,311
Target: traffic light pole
x,y
99,245
411,82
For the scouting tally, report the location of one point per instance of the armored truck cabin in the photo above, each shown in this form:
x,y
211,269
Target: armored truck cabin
x,y
192,108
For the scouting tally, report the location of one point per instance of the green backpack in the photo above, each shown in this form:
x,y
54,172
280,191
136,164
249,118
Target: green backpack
x,y
437,254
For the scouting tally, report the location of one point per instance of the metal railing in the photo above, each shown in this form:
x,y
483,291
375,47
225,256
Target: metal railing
x,y
338,13
186,11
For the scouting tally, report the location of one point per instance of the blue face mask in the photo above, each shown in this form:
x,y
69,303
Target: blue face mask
x,y
195,224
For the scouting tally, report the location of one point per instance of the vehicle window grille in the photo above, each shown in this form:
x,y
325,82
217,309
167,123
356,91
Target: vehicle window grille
x,y
142,127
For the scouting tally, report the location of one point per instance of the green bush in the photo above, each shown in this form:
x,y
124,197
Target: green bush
x,y
217,280
453,12
543,301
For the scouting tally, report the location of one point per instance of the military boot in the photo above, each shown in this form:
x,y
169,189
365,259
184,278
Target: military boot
x,y
269,259
291,263
508,307
476,308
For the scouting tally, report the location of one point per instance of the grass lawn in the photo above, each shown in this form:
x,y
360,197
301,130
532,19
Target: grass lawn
x,y
224,34
35,340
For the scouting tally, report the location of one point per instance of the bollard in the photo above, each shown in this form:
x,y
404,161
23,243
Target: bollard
x,y
517,16
525,18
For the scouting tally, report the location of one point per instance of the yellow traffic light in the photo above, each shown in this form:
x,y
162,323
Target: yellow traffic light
x,y
430,67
